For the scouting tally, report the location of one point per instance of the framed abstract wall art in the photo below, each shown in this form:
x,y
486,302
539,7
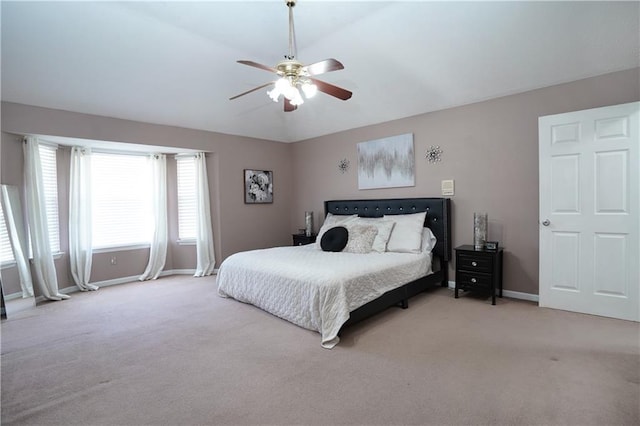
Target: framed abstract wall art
x,y
386,163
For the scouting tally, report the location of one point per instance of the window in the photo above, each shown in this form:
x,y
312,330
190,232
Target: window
x,y
186,198
121,197
6,252
50,186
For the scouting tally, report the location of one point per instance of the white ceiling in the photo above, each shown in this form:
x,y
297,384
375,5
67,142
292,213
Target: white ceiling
x,y
174,62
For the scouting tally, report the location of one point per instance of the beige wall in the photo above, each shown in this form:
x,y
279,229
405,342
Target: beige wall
x,y
489,148
237,226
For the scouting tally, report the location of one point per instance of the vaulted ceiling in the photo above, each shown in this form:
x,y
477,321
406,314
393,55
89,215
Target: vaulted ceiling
x,y
174,63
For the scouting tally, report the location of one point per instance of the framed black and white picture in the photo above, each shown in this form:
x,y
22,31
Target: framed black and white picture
x,y
258,186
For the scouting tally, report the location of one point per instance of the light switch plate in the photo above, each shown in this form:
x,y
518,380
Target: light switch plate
x,y
448,187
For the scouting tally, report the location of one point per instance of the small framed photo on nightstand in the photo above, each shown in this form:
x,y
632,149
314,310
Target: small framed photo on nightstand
x,y
491,245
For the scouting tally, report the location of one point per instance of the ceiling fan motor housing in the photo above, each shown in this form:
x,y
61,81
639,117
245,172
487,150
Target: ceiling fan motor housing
x,y
289,68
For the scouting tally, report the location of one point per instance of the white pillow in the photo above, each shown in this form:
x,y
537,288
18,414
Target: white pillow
x,y
406,236
361,238
330,221
384,226
428,240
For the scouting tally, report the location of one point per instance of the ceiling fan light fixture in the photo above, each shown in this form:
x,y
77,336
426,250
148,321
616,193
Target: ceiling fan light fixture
x,y
291,92
297,99
309,89
273,94
281,87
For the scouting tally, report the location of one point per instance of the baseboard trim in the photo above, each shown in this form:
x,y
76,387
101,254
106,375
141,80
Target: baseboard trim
x,y
509,293
115,281
13,296
124,280
522,296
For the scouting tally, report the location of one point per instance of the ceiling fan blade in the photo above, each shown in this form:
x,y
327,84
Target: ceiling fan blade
x,y
322,67
332,90
288,106
257,65
252,90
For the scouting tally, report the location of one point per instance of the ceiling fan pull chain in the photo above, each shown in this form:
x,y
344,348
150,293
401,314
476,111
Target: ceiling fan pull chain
x,y
292,34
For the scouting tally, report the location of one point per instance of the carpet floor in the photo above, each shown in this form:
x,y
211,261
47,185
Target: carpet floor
x,y
171,352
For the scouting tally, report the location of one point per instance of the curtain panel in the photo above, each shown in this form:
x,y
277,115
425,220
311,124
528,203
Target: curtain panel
x,y
160,240
80,251
205,255
15,229
43,266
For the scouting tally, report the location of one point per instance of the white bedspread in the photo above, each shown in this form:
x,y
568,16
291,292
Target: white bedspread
x,y
316,289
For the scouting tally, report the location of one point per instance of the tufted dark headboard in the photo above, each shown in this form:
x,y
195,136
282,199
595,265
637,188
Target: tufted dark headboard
x,y
438,215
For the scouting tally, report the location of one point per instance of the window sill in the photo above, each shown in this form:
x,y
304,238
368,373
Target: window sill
x,y
121,248
12,263
187,242
8,264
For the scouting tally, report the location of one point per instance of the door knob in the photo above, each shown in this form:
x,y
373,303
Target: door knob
x,y
546,222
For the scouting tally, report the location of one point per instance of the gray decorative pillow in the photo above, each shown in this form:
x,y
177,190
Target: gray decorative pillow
x,y
384,227
361,238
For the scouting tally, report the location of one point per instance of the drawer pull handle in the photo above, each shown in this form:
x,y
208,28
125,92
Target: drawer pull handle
x,y
473,280
474,263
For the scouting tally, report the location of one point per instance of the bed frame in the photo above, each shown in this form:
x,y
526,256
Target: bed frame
x,y
438,219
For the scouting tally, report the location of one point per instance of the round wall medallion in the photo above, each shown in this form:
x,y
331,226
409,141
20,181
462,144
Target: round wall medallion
x,y
343,165
433,154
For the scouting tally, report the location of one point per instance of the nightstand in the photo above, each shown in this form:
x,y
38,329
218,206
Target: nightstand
x,y
479,270
302,239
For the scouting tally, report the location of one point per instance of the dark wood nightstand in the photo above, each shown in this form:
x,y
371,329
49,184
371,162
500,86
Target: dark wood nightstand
x,y
479,270
302,239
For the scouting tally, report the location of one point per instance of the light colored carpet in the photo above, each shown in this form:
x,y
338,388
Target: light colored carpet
x,y
172,352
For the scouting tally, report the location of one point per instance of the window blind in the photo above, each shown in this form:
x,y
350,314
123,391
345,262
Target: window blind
x,y
186,198
121,197
50,186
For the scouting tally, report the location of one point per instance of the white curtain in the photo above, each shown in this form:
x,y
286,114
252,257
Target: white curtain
x,y
80,217
158,251
15,229
43,265
205,255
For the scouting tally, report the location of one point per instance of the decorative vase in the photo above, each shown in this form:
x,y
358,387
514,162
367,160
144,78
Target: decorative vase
x,y
479,230
308,223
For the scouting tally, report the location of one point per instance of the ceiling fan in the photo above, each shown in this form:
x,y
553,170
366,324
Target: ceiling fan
x,y
295,77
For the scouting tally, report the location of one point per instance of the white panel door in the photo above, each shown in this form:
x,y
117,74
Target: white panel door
x,y
590,211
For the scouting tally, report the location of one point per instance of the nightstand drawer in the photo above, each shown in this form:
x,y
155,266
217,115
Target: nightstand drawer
x,y
468,280
474,263
302,239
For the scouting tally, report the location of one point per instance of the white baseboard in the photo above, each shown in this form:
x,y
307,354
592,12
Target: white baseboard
x,y
512,294
522,296
133,278
13,296
115,281
178,272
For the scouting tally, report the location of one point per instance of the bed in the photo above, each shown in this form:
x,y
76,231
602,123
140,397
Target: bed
x,y
327,291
